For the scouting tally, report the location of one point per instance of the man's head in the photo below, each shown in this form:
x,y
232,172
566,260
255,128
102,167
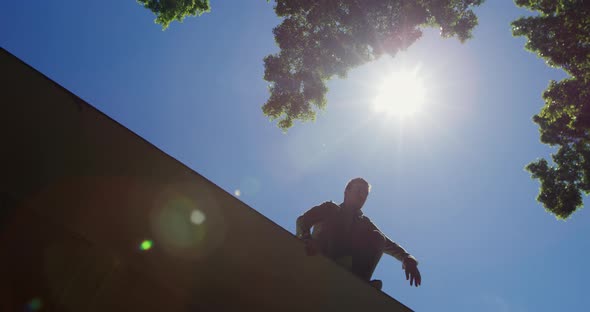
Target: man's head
x,y
356,193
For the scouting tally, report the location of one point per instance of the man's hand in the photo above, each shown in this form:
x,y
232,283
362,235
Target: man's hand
x,y
410,265
311,246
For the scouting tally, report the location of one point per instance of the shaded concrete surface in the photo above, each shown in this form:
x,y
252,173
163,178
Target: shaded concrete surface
x,y
79,193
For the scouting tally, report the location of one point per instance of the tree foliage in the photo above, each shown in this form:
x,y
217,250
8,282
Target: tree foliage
x,y
168,11
320,39
561,35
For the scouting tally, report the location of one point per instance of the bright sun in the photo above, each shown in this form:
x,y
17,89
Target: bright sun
x,y
402,94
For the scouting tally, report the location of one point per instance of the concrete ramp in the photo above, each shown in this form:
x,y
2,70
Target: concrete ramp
x,y
94,218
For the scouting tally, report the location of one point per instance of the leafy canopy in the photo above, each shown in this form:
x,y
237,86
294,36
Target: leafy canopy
x,y
561,35
322,39
168,11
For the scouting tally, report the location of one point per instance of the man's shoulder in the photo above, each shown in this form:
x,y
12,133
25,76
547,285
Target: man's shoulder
x,y
367,220
329,205
323,210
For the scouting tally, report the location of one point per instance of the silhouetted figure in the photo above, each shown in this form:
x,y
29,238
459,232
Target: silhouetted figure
x,y
345,235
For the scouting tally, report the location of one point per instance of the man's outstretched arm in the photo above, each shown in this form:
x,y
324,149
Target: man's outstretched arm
x,y
409,263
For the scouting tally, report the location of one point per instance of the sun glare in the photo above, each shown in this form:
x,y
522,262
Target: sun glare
x,y
402,94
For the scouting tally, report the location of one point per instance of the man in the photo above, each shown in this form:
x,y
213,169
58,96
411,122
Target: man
x,y
345,235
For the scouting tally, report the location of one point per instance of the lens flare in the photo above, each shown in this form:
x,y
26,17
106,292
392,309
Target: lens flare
x,y
146,245
198,217
187,221
35,304
180,226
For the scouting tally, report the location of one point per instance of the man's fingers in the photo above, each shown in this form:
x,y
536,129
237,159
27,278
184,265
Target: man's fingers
x,y
417,278
414,277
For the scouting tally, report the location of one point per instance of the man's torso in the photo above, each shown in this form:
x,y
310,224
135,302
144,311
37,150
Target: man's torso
x,y
341,230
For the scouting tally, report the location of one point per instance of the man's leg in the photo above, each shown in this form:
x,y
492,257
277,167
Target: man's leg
x,y
367,251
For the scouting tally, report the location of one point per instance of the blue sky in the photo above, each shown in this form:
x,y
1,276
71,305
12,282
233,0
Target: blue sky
x,y
448,184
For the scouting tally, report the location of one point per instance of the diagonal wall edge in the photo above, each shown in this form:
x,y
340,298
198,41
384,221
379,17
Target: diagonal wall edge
x,y
79,193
